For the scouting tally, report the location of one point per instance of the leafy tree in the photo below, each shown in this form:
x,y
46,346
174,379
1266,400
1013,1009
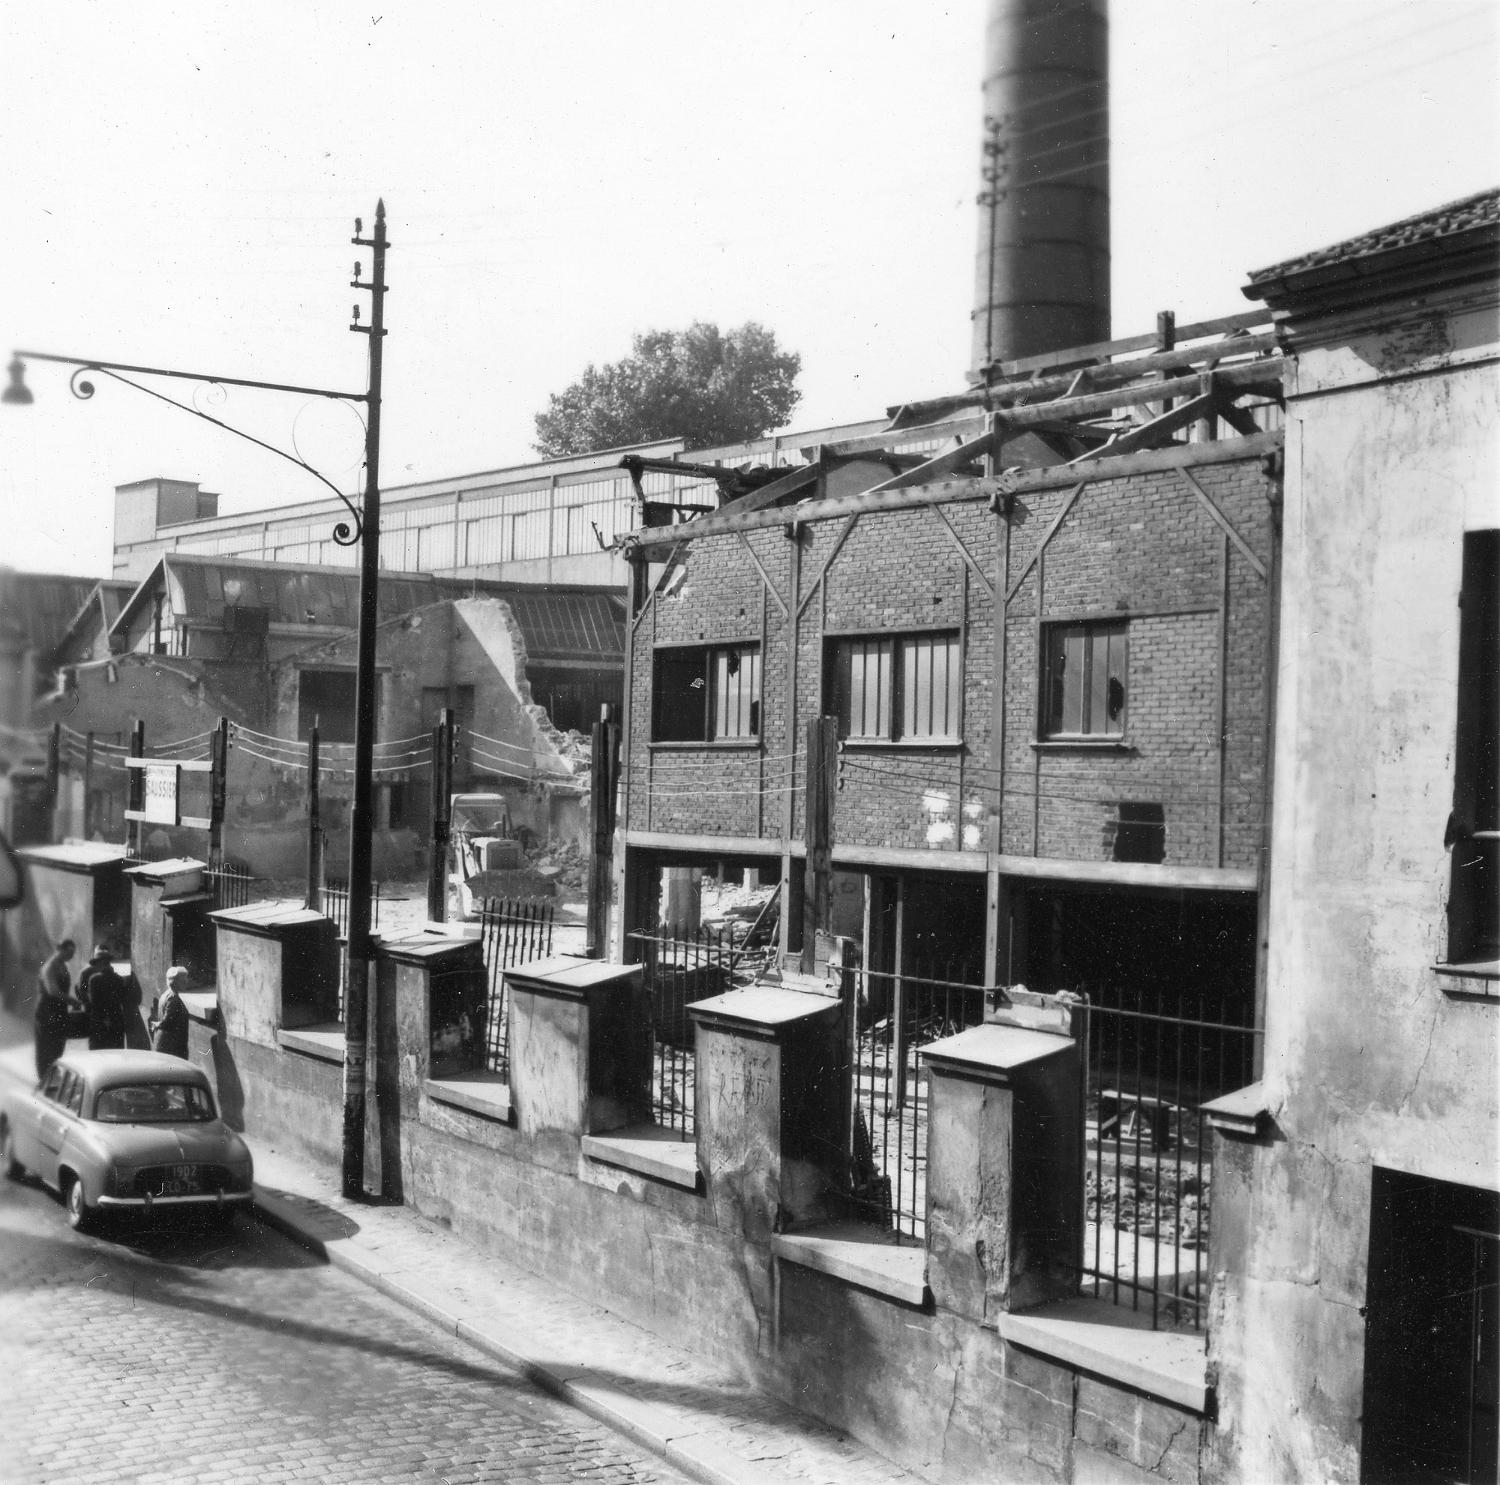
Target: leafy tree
x,y
704,385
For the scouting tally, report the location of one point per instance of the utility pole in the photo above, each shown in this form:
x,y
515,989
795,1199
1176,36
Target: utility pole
x,y
314,827
361,819
604,782
442,823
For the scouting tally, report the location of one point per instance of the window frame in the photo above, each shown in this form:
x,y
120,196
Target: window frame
x,y
708,655
1112,626
892,705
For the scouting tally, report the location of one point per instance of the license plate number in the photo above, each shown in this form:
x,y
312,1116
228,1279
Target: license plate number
x,y
180,1180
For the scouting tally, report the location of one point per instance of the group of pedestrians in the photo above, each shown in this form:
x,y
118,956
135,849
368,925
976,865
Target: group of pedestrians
x,y
103,1007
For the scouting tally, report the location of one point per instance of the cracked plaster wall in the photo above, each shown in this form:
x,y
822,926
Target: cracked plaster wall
x,y
1367,1062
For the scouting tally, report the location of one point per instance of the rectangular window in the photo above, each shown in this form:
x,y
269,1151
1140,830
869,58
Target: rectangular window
x,y
706,694
1083,680
1474,825
905,689
325,700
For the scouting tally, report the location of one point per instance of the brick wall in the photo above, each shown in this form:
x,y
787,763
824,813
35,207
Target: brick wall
x,y
1142,548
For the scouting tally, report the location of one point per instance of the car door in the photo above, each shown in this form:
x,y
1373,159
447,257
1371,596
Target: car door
x,y
26,1118
57,1119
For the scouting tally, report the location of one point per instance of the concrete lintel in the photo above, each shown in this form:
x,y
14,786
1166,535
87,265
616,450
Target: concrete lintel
x,y
649,1150
728,845
424,948
485,1094
1243,1114
202,1005
992,1053
1113,1342
763,1011
323,1042
264,918
565,977
1131,873
859,1255
83,858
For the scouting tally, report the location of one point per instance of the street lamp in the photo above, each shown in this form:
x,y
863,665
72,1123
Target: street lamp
x,y
366,532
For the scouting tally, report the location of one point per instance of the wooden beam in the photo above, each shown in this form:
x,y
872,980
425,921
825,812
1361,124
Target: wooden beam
x,y
1104,349
1072,383
670,558
838,543
1222,522
940,464
765,576
964,552
1153,432
723,845
788,484
876,442
1047,536
947,492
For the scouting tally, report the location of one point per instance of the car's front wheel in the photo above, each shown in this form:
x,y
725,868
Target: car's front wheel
x,y
80,1213
14,1170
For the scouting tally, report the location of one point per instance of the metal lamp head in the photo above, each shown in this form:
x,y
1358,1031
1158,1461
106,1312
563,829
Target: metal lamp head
x,y
17,394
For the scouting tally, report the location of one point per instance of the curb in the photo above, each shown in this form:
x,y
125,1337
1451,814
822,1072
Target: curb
x,y
643,1423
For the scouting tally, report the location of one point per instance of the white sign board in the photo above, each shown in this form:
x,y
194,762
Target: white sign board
x,y
161,794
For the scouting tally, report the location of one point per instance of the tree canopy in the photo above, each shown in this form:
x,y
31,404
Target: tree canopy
x,y
705,385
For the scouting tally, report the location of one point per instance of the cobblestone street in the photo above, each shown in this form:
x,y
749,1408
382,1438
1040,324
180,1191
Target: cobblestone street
x,y
187,1354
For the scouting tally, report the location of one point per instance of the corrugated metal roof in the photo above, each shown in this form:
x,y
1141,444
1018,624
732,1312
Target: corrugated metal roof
x,y
557,623
43,604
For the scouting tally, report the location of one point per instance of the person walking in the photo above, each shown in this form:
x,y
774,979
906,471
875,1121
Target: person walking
x,y
105,995
169,1024
54,1006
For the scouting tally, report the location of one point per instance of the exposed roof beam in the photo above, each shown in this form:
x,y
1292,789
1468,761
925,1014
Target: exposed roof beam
x,y
1178,456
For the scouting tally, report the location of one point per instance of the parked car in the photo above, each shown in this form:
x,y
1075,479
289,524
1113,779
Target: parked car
x,y
125,1131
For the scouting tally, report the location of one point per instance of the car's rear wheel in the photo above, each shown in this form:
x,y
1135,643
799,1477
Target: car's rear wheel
x,y
80,1213
14,1170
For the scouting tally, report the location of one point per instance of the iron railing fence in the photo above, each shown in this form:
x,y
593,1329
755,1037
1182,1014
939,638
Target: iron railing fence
x,y
336,906
677,971
228,886
512,932
1153,1058
893,1016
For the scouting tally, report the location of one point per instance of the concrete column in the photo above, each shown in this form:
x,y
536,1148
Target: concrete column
x,y
580,1053
439,994
1004,1170
278,968
169,925
769,1093
76,891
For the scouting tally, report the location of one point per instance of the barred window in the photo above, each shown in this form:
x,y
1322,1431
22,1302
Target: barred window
x,y
706,693
1083,680
903,689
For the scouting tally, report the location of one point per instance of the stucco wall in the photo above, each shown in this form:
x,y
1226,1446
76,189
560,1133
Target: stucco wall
x,y
1391,453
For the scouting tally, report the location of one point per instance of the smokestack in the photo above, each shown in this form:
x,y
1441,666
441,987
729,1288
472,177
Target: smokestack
x,y
1043,271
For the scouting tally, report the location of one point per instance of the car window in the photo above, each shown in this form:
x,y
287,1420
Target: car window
x,y
71,1096
52,1083
154,1103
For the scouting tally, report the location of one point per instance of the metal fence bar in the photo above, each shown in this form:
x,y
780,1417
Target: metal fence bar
x,y
1153,1059
511,933
336,906
677,972
895,1016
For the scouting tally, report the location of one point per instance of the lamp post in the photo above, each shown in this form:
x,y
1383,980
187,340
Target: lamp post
x,y
366,532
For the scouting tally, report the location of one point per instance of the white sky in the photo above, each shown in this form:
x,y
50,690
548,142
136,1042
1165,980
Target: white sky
x,y
180,182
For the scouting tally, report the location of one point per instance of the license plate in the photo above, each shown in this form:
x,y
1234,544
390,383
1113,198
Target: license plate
x,y
179,1188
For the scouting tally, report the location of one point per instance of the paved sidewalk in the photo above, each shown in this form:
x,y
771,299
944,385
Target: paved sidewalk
x,y
696,1416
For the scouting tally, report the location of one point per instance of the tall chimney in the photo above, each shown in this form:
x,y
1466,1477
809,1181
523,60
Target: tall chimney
x,y
1043,272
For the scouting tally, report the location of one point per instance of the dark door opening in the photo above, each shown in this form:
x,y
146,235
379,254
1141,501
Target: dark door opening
x,y
1432,1337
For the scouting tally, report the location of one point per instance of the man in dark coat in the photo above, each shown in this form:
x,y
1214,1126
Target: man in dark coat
x,y
105,994
169,1026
